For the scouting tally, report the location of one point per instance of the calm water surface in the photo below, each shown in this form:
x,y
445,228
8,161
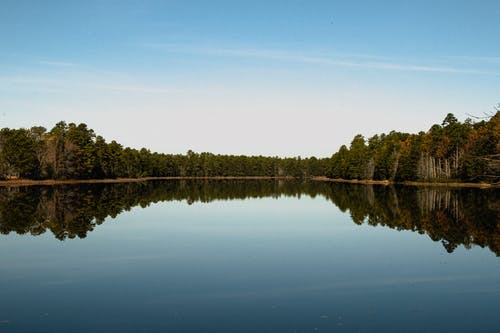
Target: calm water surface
x,y
248,256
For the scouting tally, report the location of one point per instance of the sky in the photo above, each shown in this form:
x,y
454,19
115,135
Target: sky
x,y
279,78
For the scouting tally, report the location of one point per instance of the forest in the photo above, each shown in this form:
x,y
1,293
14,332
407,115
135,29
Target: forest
x,y
70,151
451,151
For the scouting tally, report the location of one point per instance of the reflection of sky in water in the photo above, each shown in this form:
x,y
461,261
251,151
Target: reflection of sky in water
x,y
245,265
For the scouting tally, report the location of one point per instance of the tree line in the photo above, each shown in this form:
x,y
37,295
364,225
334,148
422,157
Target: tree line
x,y
464,151
71,151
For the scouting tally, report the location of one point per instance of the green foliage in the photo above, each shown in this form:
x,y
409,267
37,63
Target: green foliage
x,y
453,150
450,151
71,151
18,149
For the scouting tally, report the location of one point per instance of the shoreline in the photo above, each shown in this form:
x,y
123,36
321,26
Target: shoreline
x,y
407,183
50,182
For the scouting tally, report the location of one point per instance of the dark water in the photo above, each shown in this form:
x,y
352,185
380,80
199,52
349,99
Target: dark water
x,y
249,256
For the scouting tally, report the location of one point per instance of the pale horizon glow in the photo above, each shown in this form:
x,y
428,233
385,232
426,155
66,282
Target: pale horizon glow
x,y
272,78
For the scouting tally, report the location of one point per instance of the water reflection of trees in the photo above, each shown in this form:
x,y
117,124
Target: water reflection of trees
x,y
453,217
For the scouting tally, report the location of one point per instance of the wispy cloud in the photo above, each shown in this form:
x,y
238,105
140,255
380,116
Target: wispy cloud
x,y
341,60
56,84
385,66
139,89
56,63
28,80
476,59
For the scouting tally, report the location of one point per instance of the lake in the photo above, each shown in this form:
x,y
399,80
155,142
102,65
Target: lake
x,y
249,256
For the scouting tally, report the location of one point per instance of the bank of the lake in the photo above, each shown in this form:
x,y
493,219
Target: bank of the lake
x,y
34,182
407,183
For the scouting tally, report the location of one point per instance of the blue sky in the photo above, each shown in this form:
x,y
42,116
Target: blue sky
x,y
247,77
